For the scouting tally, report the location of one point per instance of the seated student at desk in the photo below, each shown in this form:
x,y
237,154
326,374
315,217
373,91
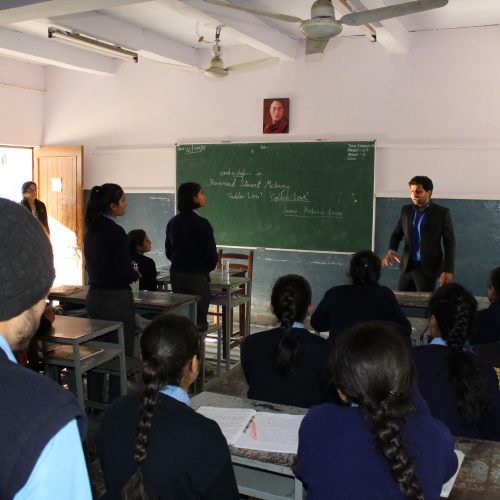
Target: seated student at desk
x,y
287,365
140,244
364,300
460,388
377,446
488,320
154,442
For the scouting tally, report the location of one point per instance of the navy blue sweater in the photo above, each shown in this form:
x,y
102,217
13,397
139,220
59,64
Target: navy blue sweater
x,y
107,255
337,458
147,268
190,244
487,325
187,455
431,362
265,382
344,306
33,409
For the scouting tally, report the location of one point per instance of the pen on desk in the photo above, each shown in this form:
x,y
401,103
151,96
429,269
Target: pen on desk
x,y
248,425
254,430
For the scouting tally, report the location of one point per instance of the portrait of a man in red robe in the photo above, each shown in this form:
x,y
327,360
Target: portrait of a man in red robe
x,y
276,112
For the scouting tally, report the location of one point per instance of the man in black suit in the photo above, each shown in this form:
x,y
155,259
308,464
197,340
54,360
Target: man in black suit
x,y
423,225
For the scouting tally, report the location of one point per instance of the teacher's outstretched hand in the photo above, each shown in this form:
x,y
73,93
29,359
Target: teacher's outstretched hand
x,y
389,259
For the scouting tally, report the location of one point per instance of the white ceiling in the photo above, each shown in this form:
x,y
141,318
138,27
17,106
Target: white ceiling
x,y
168,30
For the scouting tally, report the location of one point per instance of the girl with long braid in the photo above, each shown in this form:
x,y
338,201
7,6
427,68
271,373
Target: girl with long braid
x,y
377,445
289,364
153,446
460,388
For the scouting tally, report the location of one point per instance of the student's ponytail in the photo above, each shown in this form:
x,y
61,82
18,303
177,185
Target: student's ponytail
x,y
454,309
100,200
372,368
290,299
167,345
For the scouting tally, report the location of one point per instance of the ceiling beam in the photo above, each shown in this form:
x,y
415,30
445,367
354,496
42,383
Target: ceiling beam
x,y
15,11
132,37
37,50
246,28
391,33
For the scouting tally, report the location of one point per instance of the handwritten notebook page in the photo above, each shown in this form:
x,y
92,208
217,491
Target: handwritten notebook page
x,y
232,421
273,432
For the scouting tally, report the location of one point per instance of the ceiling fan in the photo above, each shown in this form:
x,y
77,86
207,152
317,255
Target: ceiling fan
x,y
322,26
216,68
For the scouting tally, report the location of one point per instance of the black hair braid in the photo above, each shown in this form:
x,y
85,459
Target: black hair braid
x,y
151,375
389,442
288,347
466,376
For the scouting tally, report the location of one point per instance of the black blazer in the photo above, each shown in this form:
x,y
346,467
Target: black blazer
x,y
41,212
436,226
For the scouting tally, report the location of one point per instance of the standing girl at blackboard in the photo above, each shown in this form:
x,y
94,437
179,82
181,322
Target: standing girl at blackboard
x,y
107,260
190,246
378,445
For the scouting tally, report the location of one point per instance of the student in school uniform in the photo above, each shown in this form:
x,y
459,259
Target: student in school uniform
x,y
488,321
363,300
107,261
378,445
190,246
139,244
460,388
288,364
155,442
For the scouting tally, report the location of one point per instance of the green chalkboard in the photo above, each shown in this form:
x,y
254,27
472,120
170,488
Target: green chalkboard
x,y
303,195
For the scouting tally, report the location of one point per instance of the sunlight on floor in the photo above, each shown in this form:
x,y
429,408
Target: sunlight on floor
x,y
67,256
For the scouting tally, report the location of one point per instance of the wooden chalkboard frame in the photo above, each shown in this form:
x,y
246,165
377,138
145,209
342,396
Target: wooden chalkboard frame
x,y
259,197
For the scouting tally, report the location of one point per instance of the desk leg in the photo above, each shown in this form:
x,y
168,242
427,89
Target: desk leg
x,y
78,376
193,313
202,337
123,363
228,329
299,493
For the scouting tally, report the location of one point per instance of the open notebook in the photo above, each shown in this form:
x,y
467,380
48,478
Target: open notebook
x,y
247,428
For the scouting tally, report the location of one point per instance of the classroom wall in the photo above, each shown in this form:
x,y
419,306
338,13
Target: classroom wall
x,y
432,111
22,99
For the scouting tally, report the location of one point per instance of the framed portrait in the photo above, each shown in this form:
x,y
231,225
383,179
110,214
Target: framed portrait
x,y
276,112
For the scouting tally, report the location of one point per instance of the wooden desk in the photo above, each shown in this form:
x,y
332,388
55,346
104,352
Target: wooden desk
x,y
182,304
479,476
421,299
78,331
264,474
259,474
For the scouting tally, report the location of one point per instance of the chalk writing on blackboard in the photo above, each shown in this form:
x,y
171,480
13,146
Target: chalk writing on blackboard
x,y
194,149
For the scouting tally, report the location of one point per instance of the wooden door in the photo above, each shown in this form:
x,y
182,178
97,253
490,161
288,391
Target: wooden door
x,y
58,172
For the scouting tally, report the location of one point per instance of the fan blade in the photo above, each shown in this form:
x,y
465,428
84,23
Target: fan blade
x,y
274,15
403,9
259,63
315,46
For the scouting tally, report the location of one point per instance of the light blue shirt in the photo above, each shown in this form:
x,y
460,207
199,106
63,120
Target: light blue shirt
x,y
296,324
438,341
60,473
176,392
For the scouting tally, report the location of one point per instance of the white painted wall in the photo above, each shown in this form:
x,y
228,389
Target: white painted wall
x,y
435,111
22,97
